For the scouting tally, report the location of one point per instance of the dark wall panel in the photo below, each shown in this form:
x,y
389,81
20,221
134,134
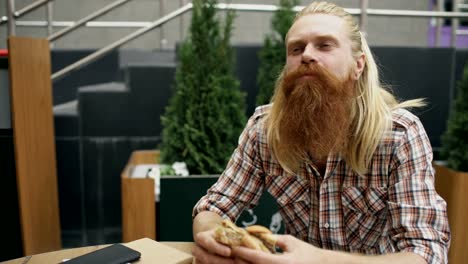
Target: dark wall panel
x,y
151,88
103,161
70,184
9,221
461,62
183,193
105,69
247,63
421,73
66,126
106,114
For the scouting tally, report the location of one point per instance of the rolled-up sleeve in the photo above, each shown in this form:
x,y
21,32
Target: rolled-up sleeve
x,y
241,183
417,214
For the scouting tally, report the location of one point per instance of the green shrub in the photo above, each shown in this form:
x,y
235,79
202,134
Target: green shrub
x,y
455,138
206,113
273,55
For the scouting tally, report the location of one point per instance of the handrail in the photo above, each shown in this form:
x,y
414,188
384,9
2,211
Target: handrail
x,y
82,21
352,11
416,13
439,22
98,24
263,8
29,8
363,17
272,8
182,21
455,24
103,51
239,7
162,34
11,17
25,10
50,18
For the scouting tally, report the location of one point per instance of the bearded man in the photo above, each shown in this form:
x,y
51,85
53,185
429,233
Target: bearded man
x,y
349,167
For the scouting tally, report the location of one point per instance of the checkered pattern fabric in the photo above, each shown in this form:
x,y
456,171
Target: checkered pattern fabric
x,y
392,208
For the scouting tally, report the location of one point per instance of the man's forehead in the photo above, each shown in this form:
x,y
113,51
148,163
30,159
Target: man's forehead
x,y
317,25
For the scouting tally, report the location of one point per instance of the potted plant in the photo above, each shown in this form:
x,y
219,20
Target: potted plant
x,y
452,175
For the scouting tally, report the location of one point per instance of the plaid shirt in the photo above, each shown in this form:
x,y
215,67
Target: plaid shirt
x,y
392,208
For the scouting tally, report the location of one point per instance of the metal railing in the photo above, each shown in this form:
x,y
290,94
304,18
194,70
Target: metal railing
x,y
103,51
27,9
90,17
145,27
12,14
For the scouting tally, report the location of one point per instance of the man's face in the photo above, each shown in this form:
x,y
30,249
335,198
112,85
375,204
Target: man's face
x,y
321,39
317,88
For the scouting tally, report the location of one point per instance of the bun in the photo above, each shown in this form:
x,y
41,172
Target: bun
x,y
264,234
255,237
257,229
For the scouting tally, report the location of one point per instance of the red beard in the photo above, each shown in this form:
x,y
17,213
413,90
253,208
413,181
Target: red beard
x,y
315,112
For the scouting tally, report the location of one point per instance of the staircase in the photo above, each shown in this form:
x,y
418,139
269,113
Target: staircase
x,y
107,118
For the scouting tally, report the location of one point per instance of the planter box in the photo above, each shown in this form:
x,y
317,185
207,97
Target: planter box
x,y
171,218
453,187
138,199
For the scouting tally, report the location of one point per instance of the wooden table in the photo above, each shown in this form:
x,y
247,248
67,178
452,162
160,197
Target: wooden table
x,y
57,256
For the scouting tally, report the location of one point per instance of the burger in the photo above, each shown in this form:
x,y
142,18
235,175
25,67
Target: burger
x,y
255,237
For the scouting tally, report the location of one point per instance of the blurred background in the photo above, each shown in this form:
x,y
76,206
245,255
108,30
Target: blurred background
x,y
105,109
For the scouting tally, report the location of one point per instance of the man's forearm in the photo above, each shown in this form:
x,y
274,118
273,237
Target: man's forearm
x,y
205,221
400,258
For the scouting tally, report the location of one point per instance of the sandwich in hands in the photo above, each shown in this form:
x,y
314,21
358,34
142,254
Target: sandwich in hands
x,y
254,237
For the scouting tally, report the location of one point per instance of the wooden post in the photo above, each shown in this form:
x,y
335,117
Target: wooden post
x,y
33,131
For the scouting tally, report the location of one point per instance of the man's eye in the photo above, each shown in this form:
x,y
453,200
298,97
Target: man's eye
x,y
296,50
326,45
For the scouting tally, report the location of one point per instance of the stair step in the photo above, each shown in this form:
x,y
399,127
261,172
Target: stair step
x,y
66,109
147,58
103,88
66,119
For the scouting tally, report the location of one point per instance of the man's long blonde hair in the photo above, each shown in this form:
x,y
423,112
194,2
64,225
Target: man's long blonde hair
x,y
371,111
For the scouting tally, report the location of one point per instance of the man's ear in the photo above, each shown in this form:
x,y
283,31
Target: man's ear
x,y
360,63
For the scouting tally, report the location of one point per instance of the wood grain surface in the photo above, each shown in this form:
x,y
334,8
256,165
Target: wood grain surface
x,y
58,256
33,130
453,187
138,199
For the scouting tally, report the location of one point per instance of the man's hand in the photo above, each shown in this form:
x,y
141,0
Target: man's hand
x,y
207,250
293,248
297,251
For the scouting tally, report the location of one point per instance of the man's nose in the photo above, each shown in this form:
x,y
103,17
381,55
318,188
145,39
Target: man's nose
x,y
309,54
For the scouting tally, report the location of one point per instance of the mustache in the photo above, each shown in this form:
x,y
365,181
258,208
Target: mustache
x,y
307,70
319,76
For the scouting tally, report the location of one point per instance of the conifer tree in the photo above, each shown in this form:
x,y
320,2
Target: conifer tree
x,y
455,138
206,113
273,54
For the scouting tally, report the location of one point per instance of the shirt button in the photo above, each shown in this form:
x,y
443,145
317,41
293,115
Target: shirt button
x,y
324,185
326,225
